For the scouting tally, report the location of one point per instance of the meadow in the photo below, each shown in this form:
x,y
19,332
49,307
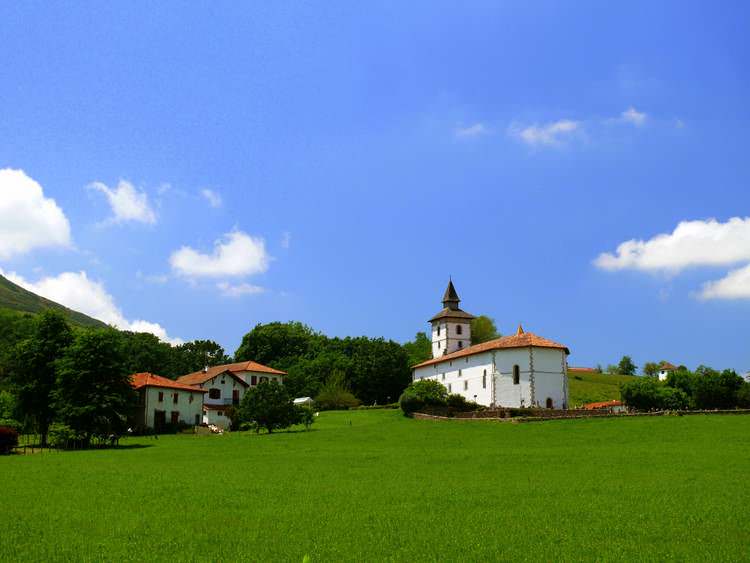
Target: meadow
x,y
373,485
589,387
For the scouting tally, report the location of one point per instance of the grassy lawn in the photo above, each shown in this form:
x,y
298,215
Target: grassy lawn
x,y
587,387
372,486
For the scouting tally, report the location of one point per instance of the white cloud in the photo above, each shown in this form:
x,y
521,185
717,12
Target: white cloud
x,y
235,254
286,239
632,115
77,291
550,134
735,285
238,290
128,203
28,220
692,243
212,197
475,130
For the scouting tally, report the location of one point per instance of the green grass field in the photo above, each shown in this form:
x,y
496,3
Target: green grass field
x,y
373,485
588,387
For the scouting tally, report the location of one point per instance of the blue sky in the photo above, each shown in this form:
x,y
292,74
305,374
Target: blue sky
x,y
357,156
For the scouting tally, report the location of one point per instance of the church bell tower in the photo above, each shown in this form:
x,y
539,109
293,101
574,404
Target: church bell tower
x,y
451,327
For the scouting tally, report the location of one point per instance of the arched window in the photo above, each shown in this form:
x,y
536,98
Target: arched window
x,y
214,393
459,329
460,344
438,345
484,379
516,375
438,330
549,403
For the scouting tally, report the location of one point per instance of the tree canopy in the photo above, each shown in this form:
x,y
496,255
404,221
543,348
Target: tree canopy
x,y
268,406
483,329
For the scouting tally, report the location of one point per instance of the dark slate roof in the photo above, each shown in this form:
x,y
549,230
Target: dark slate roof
x,y
449,313
451,295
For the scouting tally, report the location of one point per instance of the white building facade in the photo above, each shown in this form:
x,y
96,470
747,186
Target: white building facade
x,y
162,401
523,370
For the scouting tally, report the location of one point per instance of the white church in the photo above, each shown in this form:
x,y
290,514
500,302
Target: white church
x,y
522,370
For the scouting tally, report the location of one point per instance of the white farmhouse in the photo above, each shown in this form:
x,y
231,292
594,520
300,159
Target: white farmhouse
x,y
162,401
665,368
226,385
521,370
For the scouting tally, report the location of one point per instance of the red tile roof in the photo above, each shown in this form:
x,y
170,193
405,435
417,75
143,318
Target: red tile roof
x,y
602,405
218,407
571,368
203,376
518,340
145,379
667,366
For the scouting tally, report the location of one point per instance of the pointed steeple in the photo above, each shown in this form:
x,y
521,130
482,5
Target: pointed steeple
x,y
450,297
520,331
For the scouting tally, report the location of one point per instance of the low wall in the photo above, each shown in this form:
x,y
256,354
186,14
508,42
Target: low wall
x,y
503,415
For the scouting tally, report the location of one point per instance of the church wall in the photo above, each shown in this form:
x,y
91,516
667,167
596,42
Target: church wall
x,y
549,377
507,394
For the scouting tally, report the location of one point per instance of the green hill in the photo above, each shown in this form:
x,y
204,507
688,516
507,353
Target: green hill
x,y
16,298
588,387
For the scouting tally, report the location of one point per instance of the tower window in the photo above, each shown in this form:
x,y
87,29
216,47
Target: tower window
x,y
466,385
460,344
516,375
459,373
438,332
449,388
484,380
438,345
459,329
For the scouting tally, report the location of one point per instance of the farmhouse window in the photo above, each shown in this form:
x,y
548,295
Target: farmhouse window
x,y
253,380
443,376
264,380
484,380
190,398
466,385
220,413
176,398
214,393
459,373
161,396
516,375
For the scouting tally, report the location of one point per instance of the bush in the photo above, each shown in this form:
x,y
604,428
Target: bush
x,y
459,403
647,393
8,439
422,393
64,437
335,394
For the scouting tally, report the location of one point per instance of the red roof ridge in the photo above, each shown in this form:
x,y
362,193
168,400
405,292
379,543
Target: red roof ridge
x,y
147,379
523,340
204,375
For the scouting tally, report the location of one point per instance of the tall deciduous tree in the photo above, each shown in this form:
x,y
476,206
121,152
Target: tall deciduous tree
x,y
651,369
626,366
94,395
483,329
33,369
197,354
269,406
419,349
279,345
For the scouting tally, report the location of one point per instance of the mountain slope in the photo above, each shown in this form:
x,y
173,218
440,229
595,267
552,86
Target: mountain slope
x,y
16,298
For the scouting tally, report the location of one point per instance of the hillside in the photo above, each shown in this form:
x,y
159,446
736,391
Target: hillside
x,y
588,387
16,298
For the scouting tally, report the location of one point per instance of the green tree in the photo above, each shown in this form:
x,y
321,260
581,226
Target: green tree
x,y
93,395
305,415
8,410
483,329
306,377
143,351
195,355
279,345
626,366
269,406
651,369
421,393
715,390
33,368
419,349
335,394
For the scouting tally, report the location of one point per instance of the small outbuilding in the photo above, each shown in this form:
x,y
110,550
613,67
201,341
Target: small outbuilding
x,y
304,401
